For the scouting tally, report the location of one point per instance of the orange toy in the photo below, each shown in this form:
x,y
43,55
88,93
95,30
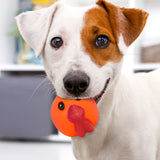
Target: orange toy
x,y
74,117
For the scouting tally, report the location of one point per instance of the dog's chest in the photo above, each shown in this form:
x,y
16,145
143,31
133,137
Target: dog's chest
x,y
126,139
95,149
118,148
102,145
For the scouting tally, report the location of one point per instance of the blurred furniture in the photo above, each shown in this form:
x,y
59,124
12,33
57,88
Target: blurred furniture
x,y
25,101
147,47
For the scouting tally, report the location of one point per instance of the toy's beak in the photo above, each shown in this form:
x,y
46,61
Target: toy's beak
x,y
76,115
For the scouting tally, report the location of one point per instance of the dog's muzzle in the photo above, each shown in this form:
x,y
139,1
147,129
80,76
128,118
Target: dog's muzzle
x,y
76,83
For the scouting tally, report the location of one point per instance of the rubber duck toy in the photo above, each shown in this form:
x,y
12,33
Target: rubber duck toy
x,y
74,117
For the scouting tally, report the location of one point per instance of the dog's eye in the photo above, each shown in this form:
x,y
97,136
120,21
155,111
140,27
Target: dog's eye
x,y
56,42
101,42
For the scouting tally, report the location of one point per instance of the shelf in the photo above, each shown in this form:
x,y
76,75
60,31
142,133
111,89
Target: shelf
x,y
21,67
146,66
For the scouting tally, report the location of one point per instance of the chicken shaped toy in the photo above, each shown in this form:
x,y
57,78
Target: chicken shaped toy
x,y
74,117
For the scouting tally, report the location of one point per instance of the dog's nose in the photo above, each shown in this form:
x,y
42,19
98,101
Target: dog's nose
x,y
76,82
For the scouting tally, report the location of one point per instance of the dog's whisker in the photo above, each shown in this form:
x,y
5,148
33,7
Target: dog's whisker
x,y
51,92
36,89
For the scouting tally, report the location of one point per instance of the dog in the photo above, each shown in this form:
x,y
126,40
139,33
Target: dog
x,y
83,44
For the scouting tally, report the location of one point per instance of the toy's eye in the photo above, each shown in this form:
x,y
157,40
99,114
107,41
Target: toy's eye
x,y
101,42
56,42
61,106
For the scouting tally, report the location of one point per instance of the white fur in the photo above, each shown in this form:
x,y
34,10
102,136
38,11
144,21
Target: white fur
x,y
122,46
129,111
128,128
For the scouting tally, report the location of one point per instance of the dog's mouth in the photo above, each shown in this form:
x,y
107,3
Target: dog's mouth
x,y
98,97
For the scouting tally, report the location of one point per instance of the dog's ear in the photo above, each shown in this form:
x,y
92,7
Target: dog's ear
x,y
34,27
127,22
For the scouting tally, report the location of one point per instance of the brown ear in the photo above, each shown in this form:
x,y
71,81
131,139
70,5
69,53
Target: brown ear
x,y
125,21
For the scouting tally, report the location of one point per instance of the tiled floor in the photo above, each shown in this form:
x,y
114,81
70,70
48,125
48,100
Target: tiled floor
x,y
13,150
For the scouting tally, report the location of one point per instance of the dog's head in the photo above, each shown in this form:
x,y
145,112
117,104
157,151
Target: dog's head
x,y
82,46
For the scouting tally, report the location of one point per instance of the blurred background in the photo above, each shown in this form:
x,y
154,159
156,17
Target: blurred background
x,y
26,130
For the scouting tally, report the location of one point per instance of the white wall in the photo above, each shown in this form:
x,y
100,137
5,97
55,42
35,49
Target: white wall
x,y
8,10
123,3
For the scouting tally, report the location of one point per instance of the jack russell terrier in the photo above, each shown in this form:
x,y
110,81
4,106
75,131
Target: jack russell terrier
x,y
83,44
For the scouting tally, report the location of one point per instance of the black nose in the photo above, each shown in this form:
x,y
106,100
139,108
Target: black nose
x,y
76,82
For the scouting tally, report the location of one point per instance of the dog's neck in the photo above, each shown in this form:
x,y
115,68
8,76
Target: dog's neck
x,y
102,129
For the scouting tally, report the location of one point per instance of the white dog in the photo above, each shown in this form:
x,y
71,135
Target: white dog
x,y
83,48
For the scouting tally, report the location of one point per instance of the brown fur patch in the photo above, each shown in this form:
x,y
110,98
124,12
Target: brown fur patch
x,y
112,21
96,23
126,21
